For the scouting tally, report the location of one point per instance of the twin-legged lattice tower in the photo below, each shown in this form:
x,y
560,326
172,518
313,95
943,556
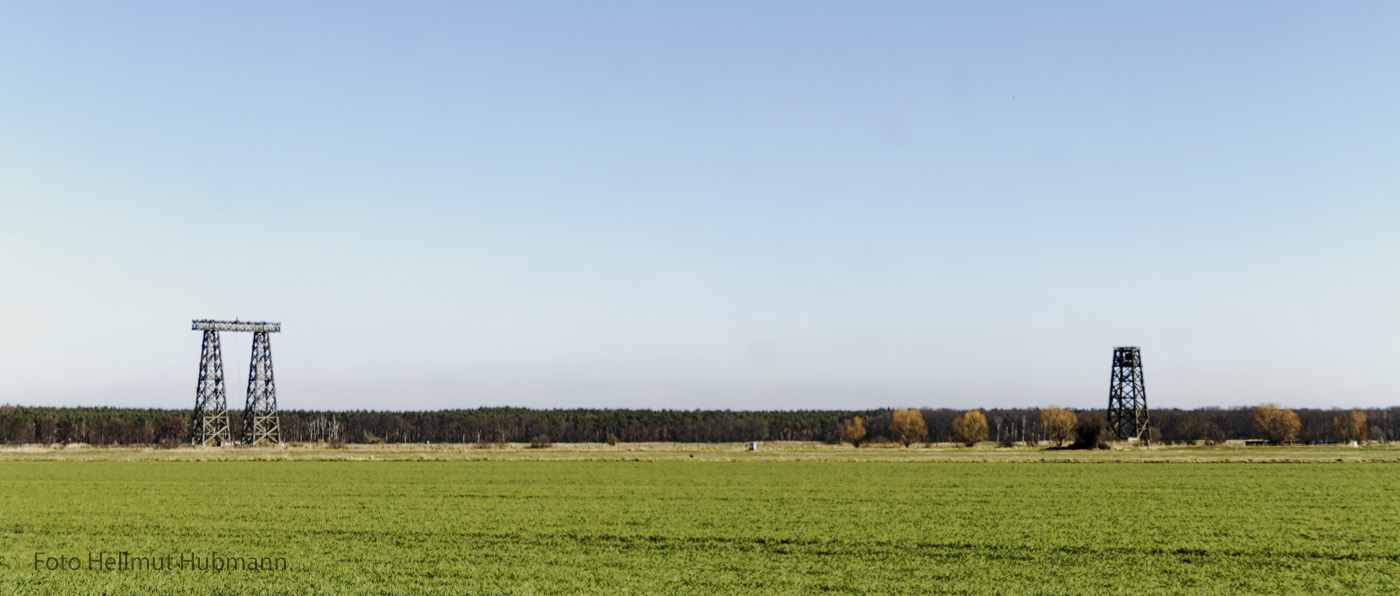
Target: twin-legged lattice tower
x,y
1127,396
211,425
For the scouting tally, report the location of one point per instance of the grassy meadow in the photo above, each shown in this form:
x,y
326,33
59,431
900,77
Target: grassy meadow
x,y
600,521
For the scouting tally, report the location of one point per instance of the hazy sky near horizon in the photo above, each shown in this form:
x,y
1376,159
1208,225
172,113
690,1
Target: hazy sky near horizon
x,y
702,205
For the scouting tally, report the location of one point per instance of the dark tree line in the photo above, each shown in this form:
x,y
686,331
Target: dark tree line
x,y
120,426
519,425
96,426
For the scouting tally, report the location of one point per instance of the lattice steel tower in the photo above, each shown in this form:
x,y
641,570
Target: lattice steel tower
x,y
210,407
210,424
1127,396
260,416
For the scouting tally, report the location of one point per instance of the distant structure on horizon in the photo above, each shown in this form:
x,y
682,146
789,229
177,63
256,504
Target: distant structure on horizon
x,y
260,423
1127,396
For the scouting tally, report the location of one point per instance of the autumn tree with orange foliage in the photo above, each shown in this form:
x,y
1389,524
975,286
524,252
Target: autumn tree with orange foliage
x,y
853,431
1350,426
1059,424
907,427
970,428
1278,425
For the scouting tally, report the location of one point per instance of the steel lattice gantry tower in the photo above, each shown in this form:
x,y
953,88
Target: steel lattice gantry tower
x,y
1127,396
211,410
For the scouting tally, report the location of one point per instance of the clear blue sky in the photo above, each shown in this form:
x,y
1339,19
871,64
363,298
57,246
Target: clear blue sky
x,y
702,205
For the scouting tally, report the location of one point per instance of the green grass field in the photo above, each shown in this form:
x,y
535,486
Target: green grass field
x,y
506,526
768,451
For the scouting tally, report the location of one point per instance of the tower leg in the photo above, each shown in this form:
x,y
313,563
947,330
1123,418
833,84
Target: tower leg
x,y
210,421
260,415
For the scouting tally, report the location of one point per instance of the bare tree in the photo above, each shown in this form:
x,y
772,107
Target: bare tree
x,y
1091,433
1200,427
174,432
